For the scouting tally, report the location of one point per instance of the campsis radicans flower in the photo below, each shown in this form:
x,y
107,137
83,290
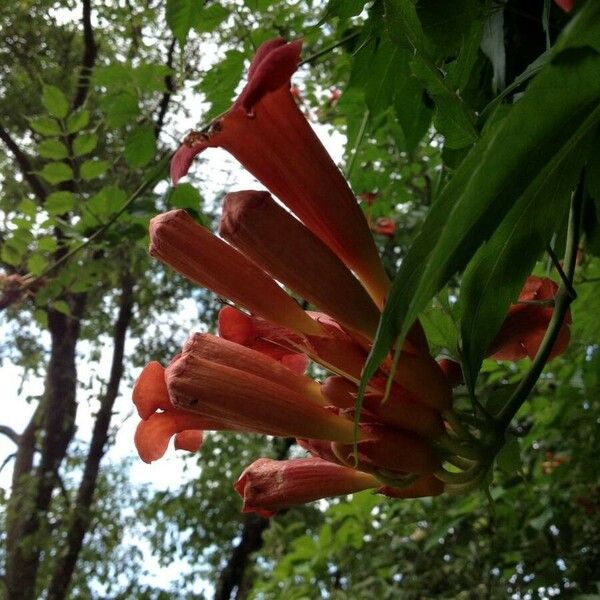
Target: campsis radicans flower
x,y
523,330
250,378
266,131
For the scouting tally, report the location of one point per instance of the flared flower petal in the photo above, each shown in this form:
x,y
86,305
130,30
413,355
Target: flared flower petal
x,y
268,134
523,330
153,434
292,254
189,440
268,486
178,241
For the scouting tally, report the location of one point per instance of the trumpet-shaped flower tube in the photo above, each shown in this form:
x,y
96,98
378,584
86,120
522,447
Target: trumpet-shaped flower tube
x,y
399,410
245,330
178,241
336,350
268,486
523,330
292,254
249,401
268,134
427,485
224,352
386,449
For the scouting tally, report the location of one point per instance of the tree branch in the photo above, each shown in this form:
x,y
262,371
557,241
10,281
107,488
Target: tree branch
x,y
10,433
163,107
81,515
89,57
24,165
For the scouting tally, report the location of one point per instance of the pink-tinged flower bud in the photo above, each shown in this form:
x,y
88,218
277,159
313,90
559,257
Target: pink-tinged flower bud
x,y
248,401
224,352
566,5
292,254
452,372
386,449
268,486
401,410
178,241
189,440
427,485
266,131
257,334
523,330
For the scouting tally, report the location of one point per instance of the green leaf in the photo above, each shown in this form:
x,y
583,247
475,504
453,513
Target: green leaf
x,y
46,126
151,78
41,318
52,148
10,255
140,147
59,203
27,207
110,197
55,101
47,243
219,84
115,75
57,172
208,18
181,17
84,143
91,169
489,182
496,274
184,195
344,9
61,306
120,108
452,117
384,73
78,121
509,458
36,263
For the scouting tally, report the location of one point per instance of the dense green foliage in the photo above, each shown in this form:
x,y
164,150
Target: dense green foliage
x,y
470,124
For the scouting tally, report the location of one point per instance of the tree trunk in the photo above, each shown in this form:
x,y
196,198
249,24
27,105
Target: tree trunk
x,y
50,430
81,516
233,582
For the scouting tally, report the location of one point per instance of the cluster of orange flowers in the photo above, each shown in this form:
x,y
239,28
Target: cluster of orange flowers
x,y
251,377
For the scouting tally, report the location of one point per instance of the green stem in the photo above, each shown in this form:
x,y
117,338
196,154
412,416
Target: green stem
x,y
329,48
560,271
357,144
562,302
470,451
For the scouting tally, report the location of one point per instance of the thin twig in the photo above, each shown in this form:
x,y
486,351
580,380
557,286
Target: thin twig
x,y
560,270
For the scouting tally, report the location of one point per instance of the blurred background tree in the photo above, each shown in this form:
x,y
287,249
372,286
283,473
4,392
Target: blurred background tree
x,y
95,96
